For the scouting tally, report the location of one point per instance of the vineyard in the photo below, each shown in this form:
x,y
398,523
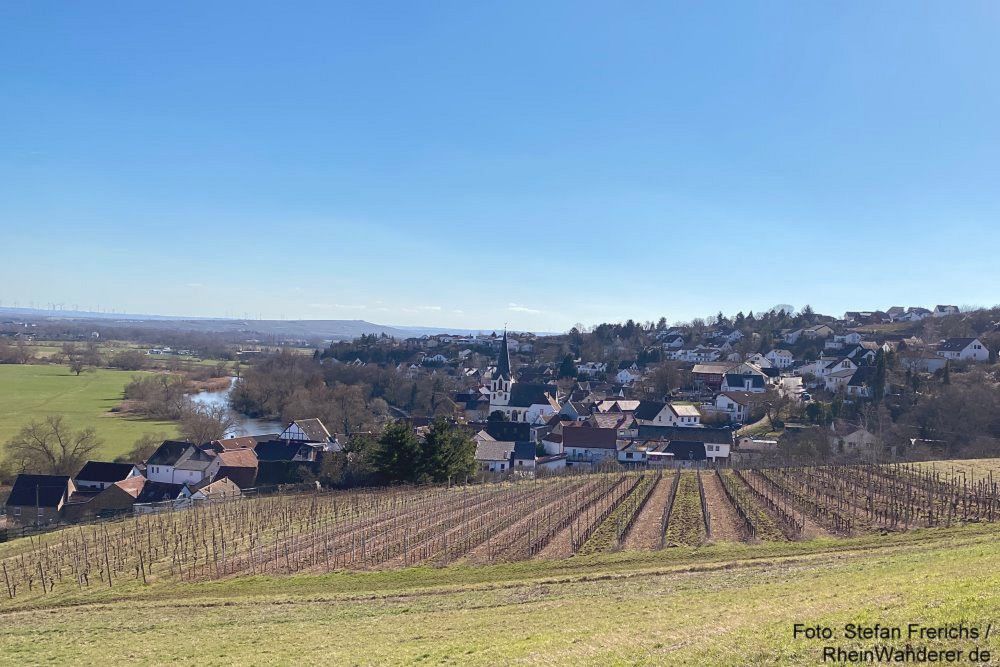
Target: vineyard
x,y
484,524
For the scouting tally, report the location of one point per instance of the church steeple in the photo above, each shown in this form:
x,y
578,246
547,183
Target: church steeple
x,y
503,360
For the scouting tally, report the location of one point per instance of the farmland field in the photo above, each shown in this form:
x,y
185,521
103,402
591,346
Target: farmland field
x,y
36,391
727,604
413,574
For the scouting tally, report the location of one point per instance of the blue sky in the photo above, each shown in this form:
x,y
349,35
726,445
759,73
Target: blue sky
x,y
470,164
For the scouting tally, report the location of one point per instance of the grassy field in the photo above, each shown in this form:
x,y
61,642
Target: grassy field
x,y
718,605
971,469
36,391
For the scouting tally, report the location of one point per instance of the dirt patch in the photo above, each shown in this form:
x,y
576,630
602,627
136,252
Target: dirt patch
x,y
647,531
726,523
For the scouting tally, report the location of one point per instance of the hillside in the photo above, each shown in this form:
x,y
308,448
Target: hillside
x,y
720,605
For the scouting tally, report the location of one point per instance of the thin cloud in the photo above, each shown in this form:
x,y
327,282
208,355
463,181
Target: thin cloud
x,y
195,285
519,308
335,306
429,307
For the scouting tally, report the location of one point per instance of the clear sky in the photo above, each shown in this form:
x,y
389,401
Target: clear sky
x,y
472,163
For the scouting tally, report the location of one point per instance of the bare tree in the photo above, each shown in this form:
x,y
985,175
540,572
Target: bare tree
x,y
51,447
201,424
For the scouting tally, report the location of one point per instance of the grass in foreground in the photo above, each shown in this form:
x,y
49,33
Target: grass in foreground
x,y
720,605
35,391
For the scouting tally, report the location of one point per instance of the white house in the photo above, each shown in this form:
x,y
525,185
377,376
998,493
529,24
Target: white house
x,y
942,311
735,404
493,455
176,462
654,413
590,444
780,358
963,349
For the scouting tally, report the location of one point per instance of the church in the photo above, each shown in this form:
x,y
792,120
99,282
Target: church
x,y
521,402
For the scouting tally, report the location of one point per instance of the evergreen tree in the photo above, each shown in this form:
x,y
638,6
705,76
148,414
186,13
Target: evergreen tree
x,y
567,369
398,453
447,453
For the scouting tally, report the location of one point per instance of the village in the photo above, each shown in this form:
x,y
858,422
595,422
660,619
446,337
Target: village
x,y
722,406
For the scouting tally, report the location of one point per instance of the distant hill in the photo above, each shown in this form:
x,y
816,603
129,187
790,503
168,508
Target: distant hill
x,y
306,329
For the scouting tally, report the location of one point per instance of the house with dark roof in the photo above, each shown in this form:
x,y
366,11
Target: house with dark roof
x,y
862,382
510,431
179,462
753,383
590,443
523,456
687,450
159,493
963,349
37,500
288,450
99,475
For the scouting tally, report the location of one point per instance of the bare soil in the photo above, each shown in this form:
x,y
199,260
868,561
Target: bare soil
x,y
726,523
647,531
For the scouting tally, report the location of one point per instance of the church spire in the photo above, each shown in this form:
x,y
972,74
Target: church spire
x,y
503,360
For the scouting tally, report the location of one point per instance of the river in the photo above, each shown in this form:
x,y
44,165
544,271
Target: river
x,y
244,425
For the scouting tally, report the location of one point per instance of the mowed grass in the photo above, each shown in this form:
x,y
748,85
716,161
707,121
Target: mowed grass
x,y
33,392
720,605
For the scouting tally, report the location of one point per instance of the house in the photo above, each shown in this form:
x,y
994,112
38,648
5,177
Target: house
x,y
551,462
862,382
99,475
162,494
752,383
37,500
759,360
848,437
943,311
633,452
673,341
238,465
836,380
963,349
710,375
817,331
655,413
737,405
195,466
915,314
512,431
523,456
118,498
288,450
305,430
590,444
687,450
160,465
221,489
493,455
921,361
750,444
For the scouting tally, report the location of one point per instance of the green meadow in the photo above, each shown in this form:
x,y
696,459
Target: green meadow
x,y
715,605
36,391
